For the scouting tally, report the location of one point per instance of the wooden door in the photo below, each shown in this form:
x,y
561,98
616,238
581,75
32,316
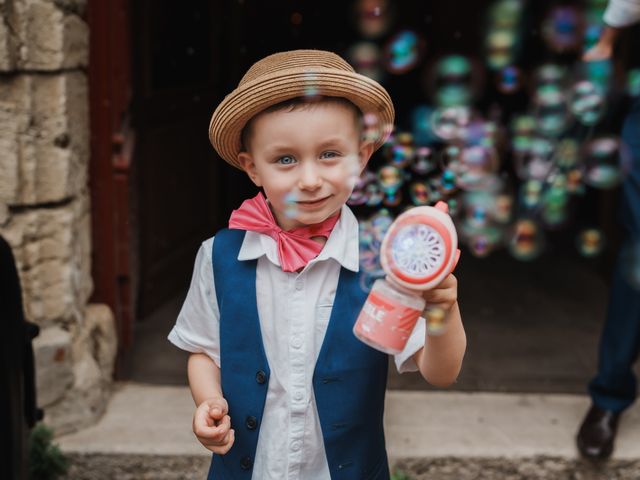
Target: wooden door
x,y
177,176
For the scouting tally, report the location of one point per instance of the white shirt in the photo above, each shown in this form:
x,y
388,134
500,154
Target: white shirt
x,y
294,310
622,13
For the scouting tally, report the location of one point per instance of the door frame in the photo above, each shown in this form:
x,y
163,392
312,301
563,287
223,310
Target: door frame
x,y
111,147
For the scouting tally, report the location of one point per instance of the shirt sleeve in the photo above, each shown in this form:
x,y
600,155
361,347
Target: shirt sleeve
x,y
404,360
622,13
197,328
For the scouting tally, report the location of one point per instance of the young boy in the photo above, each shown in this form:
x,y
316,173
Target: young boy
x,y
282,386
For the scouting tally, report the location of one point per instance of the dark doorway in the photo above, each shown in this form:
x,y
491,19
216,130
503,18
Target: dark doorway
x,y
519,316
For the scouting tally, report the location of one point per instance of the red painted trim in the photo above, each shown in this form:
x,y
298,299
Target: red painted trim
x,y
109,96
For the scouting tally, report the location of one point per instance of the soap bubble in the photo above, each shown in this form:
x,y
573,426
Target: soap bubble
x,y
291,205
501,44
551,111
503,208
311,91
606,161
420,193
374,195
351,166
380,223
436,320
550,74
586,102
448,181
366,60
526,241
555,204
453,81
390,178
373,17
392,199
567,153
523,125
537,162
359,194
403,52
423,162
450,123
373,130
562,29
476,167
531,193
401,155
509,80
590,242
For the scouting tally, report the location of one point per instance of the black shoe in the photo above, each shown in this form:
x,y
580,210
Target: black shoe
x,y
597,433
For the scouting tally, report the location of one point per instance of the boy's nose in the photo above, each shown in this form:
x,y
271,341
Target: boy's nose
x,y
310,178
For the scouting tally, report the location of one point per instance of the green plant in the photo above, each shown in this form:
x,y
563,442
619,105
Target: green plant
x,y
399,475
46,461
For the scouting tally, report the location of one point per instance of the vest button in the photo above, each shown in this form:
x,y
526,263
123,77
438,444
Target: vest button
x,y
246,463
251,422
261,377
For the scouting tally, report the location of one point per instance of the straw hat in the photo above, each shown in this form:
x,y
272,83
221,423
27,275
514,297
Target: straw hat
x,y
297,73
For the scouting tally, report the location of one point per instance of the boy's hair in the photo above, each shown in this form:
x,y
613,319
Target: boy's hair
x,y
300,103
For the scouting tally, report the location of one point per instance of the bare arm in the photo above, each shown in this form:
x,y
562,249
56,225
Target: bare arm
x,y
204,378
440,360
604,48
211,424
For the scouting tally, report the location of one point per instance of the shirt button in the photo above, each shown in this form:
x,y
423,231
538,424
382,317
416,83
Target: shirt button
x,y
296,341
298,395
295,446
261,377
299,285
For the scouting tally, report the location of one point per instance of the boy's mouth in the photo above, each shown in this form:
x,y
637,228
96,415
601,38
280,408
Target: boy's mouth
x,y
312,203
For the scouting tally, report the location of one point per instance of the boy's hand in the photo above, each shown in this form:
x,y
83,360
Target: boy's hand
x,y
443,296
212,425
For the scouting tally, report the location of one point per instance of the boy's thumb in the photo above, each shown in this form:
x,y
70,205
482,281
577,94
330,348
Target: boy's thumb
x,y
218,408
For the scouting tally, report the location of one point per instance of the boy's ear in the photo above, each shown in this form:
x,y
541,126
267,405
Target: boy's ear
x,y
249,166
364,154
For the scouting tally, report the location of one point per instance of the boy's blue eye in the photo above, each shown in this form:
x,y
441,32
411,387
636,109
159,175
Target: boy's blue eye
x,y
329,155
286,160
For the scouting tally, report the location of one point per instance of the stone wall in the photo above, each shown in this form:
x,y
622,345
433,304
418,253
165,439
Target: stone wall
x,y
44,202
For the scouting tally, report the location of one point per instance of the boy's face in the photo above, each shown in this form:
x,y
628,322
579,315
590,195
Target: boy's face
x,y
306,160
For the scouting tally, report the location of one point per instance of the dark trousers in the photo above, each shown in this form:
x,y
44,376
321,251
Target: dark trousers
x,y
614,387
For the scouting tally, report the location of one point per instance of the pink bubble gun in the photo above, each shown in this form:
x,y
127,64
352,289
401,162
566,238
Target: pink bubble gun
x,y
418,252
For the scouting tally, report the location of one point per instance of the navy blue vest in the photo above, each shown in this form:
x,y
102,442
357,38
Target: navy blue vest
x,y
349,380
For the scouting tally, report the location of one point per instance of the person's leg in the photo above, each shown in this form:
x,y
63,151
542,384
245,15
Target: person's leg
x,y
614,388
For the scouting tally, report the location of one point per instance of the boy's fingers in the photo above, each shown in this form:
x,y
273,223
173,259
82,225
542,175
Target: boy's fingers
x,y
216,433
218,408
222,449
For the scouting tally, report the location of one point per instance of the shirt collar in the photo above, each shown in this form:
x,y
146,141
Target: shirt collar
x,y
342,244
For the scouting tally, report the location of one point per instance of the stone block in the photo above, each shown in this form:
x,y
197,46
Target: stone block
x,y
52,250
96,342
93,350
53,363
43,35
44,137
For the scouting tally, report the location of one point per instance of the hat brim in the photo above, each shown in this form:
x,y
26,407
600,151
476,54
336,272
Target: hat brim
x,y
251,98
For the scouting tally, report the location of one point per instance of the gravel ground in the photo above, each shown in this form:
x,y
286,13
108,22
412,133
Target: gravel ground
x,y
141,467
517,469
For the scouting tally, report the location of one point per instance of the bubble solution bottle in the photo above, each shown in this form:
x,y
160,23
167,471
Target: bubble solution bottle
x,y
417,253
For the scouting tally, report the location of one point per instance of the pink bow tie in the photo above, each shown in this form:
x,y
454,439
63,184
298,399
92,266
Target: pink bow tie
x,y
295,247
